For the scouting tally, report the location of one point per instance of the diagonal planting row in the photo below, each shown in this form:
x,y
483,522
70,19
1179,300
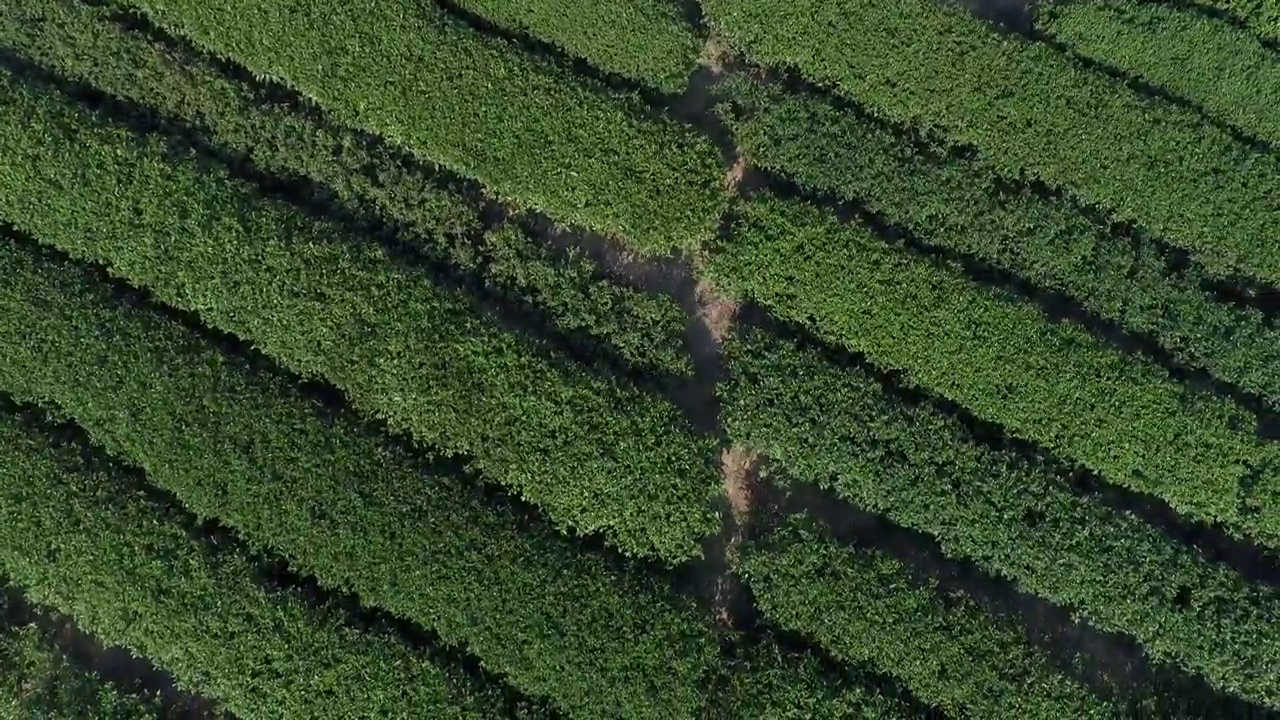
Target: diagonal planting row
x,y
596,455
1221,68
364,517
1051,383
38,681
534,134
865,607
1014,518
1030,108
647,330
89,44
646,40
80,537
963,204
1260,16
340,505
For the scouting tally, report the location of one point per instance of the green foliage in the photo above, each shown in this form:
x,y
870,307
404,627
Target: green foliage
x,y
1013,518
866,608
1261,16
642,39
38,682
344,507
762,681
86,542
534,134
73,39
1031,110
1221,68
644,328
597,456
1052,383
964,204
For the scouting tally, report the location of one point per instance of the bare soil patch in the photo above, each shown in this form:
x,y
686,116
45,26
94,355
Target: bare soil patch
x,y
734,175
737,467
715,310
716,54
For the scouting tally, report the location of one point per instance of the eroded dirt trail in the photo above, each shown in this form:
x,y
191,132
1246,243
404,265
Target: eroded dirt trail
x,y
716,313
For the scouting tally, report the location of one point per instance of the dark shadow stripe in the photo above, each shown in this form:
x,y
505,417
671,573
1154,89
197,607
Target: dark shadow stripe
x,y
1057,306
694,16
1253,562
273,572
1114,665
570,350
554,236
1239,290
837,672
1008,16
1220,15
687,108
1154,93
129,673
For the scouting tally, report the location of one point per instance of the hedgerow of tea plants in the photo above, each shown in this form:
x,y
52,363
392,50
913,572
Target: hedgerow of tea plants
x,y
1031,110
1051,383
597,455
865,607
535,134
1015,518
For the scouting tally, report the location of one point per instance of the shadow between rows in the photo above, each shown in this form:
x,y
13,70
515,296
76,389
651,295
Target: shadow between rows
x,y
1226,16
1238,290
1253,562
689,108
1110,664
131,674
1056,306
570,350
